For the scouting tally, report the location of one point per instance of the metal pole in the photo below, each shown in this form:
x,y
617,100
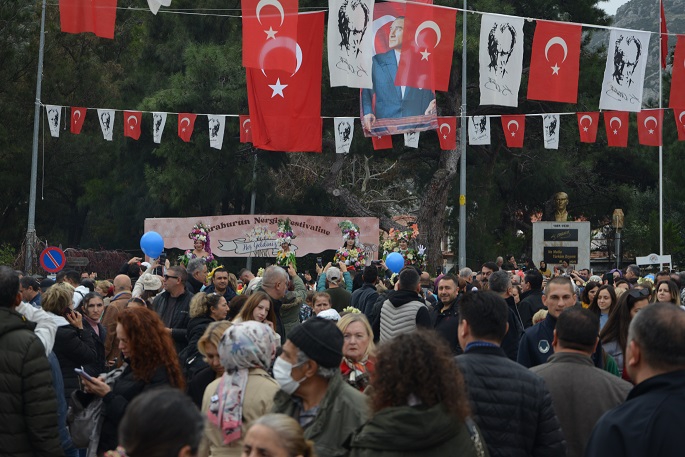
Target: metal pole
x,y
618,249
253,199
462,159
31,226
661,155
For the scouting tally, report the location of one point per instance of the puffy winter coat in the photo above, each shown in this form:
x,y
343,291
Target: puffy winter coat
x,y
29,403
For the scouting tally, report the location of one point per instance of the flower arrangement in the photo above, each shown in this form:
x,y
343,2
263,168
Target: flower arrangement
x,y
351,310
200,232
285,232
411,255
355,259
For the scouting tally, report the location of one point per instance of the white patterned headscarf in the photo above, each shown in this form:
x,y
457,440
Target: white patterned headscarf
x,y
245,345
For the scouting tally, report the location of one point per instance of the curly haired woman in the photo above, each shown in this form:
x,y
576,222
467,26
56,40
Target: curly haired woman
x,y
421,411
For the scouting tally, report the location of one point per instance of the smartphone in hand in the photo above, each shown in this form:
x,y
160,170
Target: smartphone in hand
x,y
83,374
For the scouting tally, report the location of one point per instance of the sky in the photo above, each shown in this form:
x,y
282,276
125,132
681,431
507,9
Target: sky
x,y
612,5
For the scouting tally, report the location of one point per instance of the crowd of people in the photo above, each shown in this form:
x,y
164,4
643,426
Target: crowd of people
x,y
353,361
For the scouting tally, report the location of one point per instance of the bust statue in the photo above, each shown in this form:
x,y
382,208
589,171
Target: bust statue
x,y
560,203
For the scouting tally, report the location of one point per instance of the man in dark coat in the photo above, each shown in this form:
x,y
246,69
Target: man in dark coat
x,y
365,297
500,283
445,313
531,299
650,421
511,405
173,306
29,402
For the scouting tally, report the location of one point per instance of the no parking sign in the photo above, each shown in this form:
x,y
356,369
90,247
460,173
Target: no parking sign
x,y
52,259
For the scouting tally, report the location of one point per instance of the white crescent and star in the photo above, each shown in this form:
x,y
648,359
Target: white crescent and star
x,y
246,121
560,41
449,129
129,121
185,119
680,118
77,115
275,3
656,123
509,127
582,118
611,124
427,25
282,42
278,88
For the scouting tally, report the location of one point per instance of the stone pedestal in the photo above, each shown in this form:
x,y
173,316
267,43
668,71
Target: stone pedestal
x,y
555,242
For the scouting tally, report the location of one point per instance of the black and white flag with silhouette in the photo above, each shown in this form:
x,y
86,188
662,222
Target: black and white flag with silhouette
x,y
217,125
550,131
344,131
501,59
411,140
106,118
479,130
624,74
54,114
350,42
158,123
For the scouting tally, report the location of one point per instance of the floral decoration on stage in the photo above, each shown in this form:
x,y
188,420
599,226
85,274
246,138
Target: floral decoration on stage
x,y
201,248
352,251
285,235
404,242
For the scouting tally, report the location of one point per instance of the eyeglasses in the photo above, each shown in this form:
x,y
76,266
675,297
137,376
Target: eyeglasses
x,y
173,277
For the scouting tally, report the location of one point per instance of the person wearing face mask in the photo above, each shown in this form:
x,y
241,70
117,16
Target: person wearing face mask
x,y
312,389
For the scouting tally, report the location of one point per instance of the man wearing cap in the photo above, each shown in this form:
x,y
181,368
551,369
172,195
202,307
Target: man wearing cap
x,y
122,294
312,390
340,297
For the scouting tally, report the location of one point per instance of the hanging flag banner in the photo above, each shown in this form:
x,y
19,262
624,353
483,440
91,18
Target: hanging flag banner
x,y
245,129
680,122
387,109
158,123
381,142
447,133
616,124
587,126
350,42
555,62
664,36
514,127
426,58
156,4
411,140
479,130
78,115
186,124
97,16
270,34
106,118
217,125
649,127
54,114
285,107
677,98
624,74
550,131
132,121
344,131
501,59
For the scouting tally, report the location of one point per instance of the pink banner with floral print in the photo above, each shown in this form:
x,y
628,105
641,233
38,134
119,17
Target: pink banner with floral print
x,y
255,235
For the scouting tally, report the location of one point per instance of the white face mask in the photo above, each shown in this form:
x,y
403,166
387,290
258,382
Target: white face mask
x,y
283,375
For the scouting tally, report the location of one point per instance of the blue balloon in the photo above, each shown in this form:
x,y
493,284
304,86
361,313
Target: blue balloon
x,y
395,262
152,244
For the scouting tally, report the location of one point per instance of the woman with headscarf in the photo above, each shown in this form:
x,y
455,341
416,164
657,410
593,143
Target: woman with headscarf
x,y
245,391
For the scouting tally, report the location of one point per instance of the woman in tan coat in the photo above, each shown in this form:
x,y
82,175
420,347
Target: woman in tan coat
x,y
244,393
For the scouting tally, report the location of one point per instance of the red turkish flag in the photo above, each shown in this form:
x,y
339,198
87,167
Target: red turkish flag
x,y
285,107
382,142
514,127
447,133
649,127
616,124
132,124
97,16
587,126
555,62
267,26
427,46
78,115
680,123
186,124
677,99
245,129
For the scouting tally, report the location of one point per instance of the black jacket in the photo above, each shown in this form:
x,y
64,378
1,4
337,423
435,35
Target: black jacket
x,y
190,357
510,343
365,298
74,348
99,366
125,389
648,423
29,406
446,323
529,305
179,318
193,285
511,405
228,295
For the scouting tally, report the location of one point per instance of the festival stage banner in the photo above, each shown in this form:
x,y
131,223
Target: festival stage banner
x,y
158,123
350,42
387,109
54,114
501,59
479,130
344,131
624,74
106,118
255,235
550,131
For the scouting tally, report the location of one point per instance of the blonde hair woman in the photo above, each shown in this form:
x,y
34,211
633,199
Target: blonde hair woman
x,y
358,348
